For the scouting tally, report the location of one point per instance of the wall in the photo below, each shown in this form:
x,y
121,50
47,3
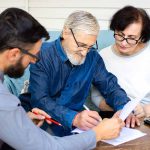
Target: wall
x,y
52,13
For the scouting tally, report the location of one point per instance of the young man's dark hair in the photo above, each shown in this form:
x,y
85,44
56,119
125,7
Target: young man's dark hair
x,y
18,28
130,15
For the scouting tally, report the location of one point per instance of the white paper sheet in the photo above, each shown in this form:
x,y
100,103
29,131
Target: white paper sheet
x,y
126,134
77,131
128,108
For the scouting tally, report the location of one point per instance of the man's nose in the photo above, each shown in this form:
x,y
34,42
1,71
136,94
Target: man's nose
x,y
84,53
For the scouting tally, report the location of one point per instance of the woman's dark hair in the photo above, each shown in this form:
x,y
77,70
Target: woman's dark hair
x,y
19,28
128,15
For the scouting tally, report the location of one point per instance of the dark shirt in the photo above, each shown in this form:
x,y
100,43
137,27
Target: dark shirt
x,y
61,89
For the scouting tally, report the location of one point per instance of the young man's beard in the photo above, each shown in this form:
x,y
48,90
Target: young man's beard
x,y
15,71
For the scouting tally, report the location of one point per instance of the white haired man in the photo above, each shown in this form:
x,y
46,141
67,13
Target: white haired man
x,y
65,72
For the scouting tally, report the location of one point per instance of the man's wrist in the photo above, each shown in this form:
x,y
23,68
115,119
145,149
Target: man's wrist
x,y
74,120
97,135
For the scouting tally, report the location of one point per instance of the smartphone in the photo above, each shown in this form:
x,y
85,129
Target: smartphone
x,y
147,121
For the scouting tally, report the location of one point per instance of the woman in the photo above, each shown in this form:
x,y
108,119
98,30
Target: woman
x,y
129,57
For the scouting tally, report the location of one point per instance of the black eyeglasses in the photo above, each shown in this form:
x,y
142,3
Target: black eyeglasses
x,y
28,53
130,41
82,44
23,51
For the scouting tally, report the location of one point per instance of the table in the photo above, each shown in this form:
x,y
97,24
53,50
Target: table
x,y
142,143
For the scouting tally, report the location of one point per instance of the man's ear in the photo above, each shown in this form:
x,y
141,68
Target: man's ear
x,y
66,32
13,54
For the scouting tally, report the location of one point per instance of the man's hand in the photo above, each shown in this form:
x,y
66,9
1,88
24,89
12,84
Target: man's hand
x,y
108,129
131,120
86,120
38,119
139,111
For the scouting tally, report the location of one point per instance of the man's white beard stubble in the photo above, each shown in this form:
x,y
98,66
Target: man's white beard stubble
x,y
73,60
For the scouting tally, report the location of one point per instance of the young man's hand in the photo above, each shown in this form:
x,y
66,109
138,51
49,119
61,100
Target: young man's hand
x,y
38,119
108,129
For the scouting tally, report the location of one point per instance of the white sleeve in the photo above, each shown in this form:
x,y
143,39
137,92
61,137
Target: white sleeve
x,y
96,97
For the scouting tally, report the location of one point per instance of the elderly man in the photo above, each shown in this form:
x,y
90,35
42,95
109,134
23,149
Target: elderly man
x,y
60,81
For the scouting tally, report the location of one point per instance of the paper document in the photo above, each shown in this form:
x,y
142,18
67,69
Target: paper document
x,y
77,131
126,134
128,108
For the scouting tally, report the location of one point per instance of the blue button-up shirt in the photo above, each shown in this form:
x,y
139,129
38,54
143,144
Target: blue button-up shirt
x,y
61,89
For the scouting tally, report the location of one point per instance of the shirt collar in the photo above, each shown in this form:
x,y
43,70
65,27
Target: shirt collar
x,y
60,50
1,76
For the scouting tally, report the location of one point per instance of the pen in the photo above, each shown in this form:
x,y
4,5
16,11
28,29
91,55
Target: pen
x,y
50,119
86,108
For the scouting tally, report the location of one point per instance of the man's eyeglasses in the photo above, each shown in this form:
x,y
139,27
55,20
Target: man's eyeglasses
x,y
82,44
28,53
130,41
23,51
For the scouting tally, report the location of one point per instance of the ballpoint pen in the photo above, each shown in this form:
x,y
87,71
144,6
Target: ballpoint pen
x,y
49,119
86,108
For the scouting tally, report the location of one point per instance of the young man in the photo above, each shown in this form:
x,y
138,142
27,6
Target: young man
x,y
65,72
20,40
